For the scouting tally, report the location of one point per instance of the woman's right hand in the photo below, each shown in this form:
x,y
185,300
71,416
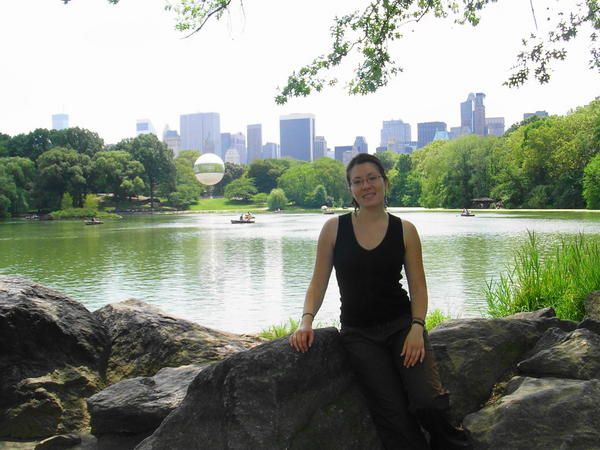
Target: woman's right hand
x,y
302,338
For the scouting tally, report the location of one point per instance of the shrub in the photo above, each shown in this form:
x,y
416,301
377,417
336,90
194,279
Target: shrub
x,y
277,200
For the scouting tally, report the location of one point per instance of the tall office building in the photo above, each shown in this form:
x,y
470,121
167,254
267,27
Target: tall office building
x,y
394,135
172,139
232,156
466,114
320,147
360,145
297,136
270,151
201,131
238,141
144,126
348,155
254,142
427,131
60,121
479,114
225,142
494,126
339,151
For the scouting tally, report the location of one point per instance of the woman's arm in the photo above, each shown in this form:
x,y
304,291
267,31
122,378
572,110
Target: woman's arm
x,y
414,345
304,336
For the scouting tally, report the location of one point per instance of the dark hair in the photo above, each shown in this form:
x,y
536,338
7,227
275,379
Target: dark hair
x,y
362,158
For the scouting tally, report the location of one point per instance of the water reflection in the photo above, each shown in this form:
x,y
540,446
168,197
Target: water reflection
x,y
243,278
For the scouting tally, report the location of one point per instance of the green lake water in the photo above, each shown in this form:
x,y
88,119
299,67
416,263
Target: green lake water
x,y
243,278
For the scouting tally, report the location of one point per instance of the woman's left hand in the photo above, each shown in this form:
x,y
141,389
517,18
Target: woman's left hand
x,y
413,349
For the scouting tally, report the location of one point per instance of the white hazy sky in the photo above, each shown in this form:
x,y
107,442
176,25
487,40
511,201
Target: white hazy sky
x,y
107,66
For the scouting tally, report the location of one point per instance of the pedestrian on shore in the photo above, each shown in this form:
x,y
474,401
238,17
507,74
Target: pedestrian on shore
x,y
382,327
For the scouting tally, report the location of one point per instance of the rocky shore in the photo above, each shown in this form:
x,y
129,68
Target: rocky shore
x,y
131,376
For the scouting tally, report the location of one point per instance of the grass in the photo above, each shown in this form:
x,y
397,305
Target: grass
x,y
222,204
434,318
82,213
560,278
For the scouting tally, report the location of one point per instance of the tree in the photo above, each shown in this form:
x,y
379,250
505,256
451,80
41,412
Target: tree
x,y
66,202
4,138
157,159
369,34
332,175
266,172
30,145
404,184
298,181
84,141
232,172
114,172
388,159
61,170
277,200
16,184
318,197
241,189
591,183
188,189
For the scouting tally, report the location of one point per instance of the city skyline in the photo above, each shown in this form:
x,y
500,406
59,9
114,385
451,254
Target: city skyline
x,y
144,69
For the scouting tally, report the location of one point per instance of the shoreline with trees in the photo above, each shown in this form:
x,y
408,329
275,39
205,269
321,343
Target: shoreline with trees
x,y
540,163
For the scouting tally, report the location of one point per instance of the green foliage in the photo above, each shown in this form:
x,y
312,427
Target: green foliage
x,y
280,330
188,189
61,170
368,35
242,190
79,139
91,201
434,318
81,213
16,183
260,198
405,187
66,201
115,172
190,156
232,172
591,183
297,181
266,172
277,200
317,198
157,159
561,278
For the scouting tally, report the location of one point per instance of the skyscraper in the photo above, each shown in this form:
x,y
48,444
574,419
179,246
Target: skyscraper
x,y
427,132
479,114
320,147
201,131
339,151
270,151
297,136
172,139
466,114
360,145
494,126
254,142
60,121
144,126
537,113
394,135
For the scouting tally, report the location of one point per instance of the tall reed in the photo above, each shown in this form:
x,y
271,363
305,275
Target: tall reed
x,y
560,278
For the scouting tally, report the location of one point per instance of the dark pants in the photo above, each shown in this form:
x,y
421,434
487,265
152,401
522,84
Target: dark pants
x,y
401,399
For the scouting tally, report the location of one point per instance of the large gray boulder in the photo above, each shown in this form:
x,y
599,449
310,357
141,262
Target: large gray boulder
x,y
145,339
576,356
475,354
53,354
139,405
272,397
591,306
540,414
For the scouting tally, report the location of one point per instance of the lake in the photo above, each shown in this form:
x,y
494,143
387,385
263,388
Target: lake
x,y
243,278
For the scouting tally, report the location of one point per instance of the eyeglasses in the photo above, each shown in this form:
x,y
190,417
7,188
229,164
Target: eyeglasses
x,y
371,180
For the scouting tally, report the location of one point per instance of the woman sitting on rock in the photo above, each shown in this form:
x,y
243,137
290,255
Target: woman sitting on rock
x,y
382,331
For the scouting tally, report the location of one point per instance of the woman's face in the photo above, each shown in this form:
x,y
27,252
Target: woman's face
x,y
367,185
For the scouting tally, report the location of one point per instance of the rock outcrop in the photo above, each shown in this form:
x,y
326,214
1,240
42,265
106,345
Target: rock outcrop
x,y
53,354
144,340
272,397
592,306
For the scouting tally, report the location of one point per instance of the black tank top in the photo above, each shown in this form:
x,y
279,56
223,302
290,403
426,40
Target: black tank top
x,y
369,280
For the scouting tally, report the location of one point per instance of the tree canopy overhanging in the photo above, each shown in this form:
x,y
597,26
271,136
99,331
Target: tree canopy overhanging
x,y
369,33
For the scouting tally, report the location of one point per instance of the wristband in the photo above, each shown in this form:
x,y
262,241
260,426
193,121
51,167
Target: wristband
x,y
307,314
418,322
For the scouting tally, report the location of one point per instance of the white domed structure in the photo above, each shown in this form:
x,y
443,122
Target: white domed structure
x,y
209,169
